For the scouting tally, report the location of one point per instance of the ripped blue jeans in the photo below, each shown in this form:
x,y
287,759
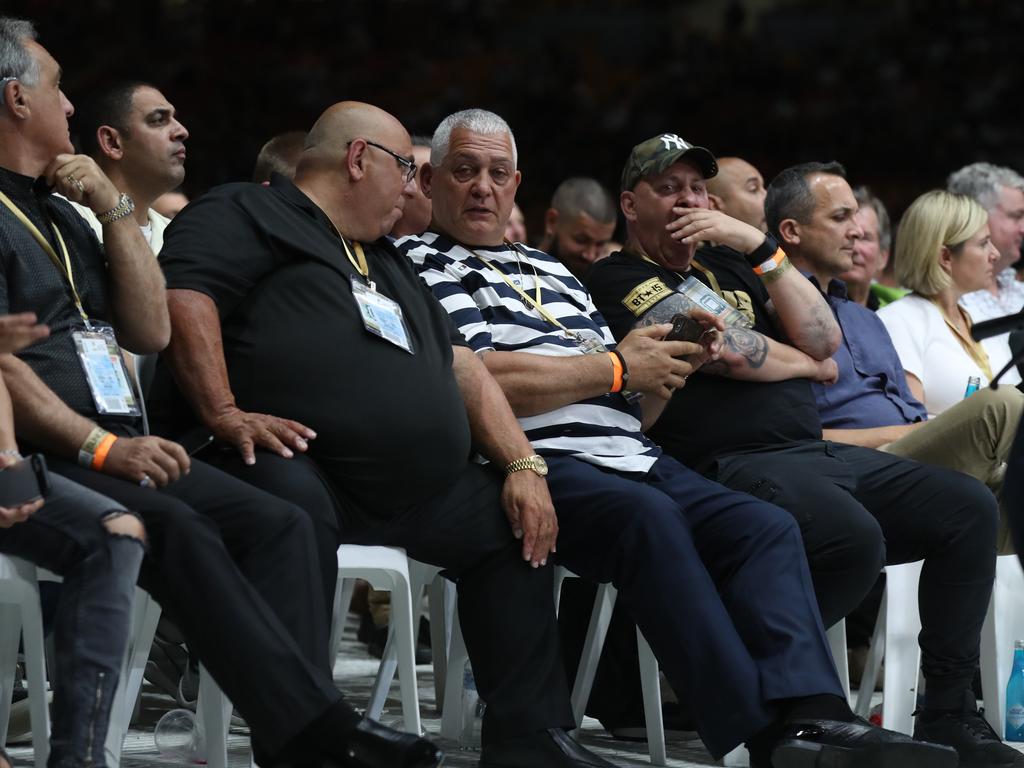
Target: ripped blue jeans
x,y
68,536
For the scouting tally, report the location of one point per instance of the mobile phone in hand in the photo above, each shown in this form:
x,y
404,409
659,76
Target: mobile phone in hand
x,y
24,482
684,328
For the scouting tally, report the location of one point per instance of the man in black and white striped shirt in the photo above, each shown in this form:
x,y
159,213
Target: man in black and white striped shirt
x,y
716,580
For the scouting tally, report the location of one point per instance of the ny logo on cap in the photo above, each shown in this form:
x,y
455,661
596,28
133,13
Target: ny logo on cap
x,y
671,140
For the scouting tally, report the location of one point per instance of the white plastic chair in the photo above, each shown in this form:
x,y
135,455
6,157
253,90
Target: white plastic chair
x,y
896,640
1004,624
386,568
20,615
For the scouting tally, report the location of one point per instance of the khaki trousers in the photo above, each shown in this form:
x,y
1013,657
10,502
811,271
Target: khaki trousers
x,y
973,437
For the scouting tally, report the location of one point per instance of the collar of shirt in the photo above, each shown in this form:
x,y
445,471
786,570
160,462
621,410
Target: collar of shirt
x,y
20,187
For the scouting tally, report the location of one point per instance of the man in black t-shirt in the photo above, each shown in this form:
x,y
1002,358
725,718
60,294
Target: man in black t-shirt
x,y
750,421
289,309
229,563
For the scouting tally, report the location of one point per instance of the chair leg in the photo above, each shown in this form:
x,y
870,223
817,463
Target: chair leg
x,y
451,713
10,632
145,617
385,672
439,633
873,664
213,720
405,643
837,644
600,617
342,601
650,683
35,676
902,652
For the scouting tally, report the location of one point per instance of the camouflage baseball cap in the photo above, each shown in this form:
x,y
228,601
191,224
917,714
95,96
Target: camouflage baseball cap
x,y
655,155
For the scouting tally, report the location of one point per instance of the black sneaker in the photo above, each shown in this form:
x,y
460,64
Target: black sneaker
x,y
856,744
970,735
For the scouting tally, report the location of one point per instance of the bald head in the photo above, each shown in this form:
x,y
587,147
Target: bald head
x,y
330,135
355,168
738,190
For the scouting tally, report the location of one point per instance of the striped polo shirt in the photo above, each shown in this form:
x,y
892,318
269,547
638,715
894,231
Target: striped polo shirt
x,y
491,314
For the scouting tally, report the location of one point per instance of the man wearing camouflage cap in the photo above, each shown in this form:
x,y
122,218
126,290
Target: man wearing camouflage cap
x,y
715,579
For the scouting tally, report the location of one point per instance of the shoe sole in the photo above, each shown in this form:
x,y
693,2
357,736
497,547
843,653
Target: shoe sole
x,y
794,753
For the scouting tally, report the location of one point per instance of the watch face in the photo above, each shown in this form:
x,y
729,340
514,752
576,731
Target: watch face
x,y
540,465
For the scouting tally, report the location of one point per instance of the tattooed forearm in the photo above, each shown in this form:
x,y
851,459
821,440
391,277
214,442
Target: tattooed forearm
x,y
750,345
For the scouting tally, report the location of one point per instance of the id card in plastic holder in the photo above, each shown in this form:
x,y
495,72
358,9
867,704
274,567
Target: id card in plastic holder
x,y
381,316
105,371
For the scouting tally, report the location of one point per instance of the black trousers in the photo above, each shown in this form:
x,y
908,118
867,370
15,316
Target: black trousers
x,y
233,567
505,606
858,508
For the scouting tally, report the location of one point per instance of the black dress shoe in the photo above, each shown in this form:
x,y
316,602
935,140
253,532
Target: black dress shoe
x,y
553,748
855,744
372,745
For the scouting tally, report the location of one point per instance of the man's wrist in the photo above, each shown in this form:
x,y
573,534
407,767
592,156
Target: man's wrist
x,y
122,208
762,253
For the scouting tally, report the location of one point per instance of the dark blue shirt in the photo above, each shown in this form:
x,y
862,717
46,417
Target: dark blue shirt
x,y
872,388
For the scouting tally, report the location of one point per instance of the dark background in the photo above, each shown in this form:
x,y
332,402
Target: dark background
x,y
900,91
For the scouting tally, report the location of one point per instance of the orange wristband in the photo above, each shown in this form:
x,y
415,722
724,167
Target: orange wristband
x,y
616,373
770,264
102,450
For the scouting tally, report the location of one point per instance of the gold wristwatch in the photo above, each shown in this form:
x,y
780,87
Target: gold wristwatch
x,y
535,462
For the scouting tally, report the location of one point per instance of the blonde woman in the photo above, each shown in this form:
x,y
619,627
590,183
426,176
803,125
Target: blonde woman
x,y
943,250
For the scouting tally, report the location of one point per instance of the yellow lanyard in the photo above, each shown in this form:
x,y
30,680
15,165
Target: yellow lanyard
x,y
536,303
973,348
65,268
359,260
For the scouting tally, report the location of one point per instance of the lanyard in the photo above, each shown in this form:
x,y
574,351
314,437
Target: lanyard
x,y
532,301
973,348
359,260
65,268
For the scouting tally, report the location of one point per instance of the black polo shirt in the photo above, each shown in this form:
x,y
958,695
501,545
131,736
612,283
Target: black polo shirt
x,y
30,282
713,415
392,427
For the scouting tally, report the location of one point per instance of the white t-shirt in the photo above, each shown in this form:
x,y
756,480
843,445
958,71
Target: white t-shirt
x,y
930,350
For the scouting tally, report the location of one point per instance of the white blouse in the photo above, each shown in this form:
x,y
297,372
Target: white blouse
x,y
930,350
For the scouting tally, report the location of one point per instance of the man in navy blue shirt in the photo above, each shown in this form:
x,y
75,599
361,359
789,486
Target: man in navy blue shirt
x,y
811,209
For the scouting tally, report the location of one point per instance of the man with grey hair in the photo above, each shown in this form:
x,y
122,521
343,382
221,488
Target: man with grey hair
x,y
579,224
1000,191
280,154
715,579
872,251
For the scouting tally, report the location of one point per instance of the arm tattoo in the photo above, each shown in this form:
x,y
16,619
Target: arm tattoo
x,y
750,345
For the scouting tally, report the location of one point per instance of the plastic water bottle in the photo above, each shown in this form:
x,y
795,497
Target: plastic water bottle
x,y
973,385
1015,696
176,737
472,711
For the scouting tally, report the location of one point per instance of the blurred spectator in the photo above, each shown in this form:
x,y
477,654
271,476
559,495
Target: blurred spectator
x,y
515,230
578,224
279,155
871,254
739,190
170,203
416,212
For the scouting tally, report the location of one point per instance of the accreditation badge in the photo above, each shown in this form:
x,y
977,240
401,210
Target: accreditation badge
x,y
105,371
381,316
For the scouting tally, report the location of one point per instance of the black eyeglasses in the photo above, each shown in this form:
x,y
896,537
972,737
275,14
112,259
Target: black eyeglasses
x,y
403,162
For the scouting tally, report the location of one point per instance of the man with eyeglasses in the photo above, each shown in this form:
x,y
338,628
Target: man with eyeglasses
x,y
288,300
